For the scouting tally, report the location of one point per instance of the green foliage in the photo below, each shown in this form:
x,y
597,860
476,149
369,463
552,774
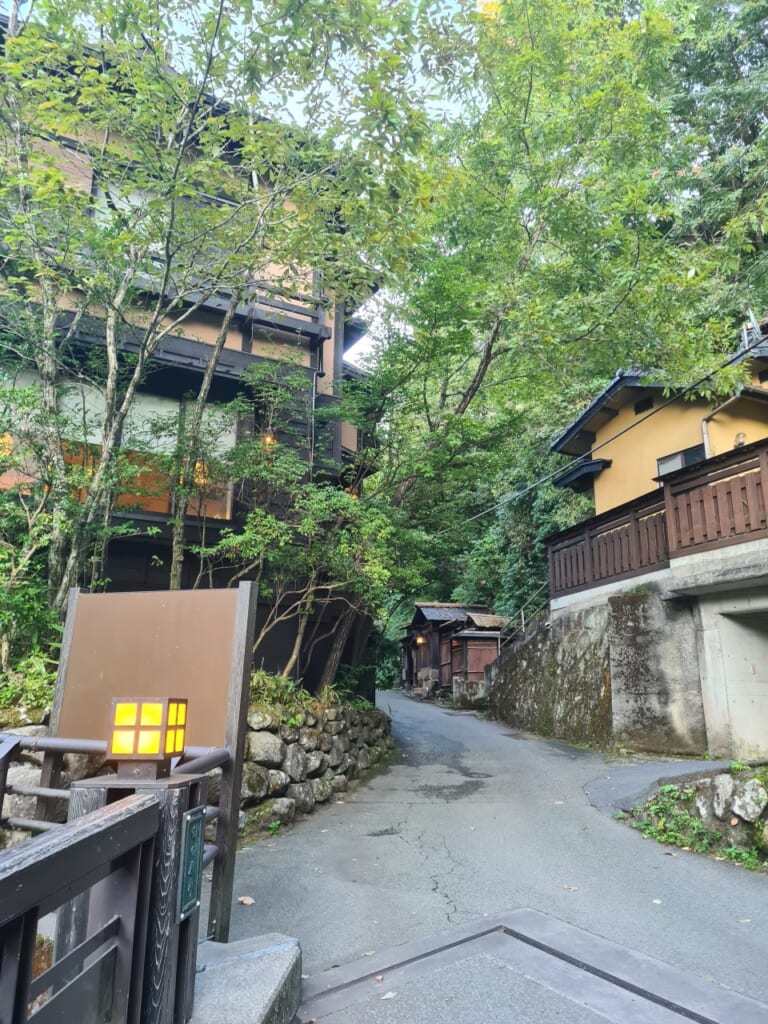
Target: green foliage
x,y
30,683
667,820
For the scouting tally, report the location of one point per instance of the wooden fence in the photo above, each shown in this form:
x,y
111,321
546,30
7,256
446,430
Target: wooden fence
x,y
713,504
617,545
108,855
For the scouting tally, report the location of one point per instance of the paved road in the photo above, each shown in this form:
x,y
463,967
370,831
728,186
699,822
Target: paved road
x,y
475,819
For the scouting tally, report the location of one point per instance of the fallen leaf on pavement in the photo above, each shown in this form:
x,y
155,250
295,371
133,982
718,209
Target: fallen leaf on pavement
x,y
379,977
570,888
389,995
247,901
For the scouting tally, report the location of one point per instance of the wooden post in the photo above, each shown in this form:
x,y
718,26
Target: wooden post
x,y
220,909
169,944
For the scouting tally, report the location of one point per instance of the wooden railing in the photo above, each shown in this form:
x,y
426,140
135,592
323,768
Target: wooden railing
x,y
716,503
108,855
619,544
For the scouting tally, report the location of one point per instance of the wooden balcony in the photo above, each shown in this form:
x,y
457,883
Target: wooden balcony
x,y
721,501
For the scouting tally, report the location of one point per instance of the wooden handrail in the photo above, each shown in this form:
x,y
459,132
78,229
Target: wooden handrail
x,y
712,504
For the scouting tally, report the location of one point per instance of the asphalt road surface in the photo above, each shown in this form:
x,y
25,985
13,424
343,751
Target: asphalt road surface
x,y
474,819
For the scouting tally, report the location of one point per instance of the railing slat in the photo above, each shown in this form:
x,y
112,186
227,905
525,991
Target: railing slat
x,y
87,999
70,859
66,969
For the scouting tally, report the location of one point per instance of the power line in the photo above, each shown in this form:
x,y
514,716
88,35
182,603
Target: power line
x,y
507,498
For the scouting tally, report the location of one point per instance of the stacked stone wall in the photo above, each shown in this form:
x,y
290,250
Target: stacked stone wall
x,y
292,767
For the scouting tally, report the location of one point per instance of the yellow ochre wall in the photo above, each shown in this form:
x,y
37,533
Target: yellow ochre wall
x,y
670,430
634,454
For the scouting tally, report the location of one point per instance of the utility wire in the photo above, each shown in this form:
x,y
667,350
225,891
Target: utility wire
x,y
725,169
507,498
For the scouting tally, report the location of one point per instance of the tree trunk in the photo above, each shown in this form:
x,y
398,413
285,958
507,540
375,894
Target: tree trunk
x,y
340,637
190,442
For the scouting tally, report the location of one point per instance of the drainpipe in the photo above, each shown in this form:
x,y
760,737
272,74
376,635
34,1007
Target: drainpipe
x,y
708,418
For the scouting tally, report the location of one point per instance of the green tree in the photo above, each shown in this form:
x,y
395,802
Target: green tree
x,y
129,197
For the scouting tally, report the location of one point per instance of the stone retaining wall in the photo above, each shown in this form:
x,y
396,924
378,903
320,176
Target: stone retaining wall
x,y
289,768
736,806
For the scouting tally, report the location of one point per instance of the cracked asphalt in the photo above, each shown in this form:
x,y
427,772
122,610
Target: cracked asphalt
x,y
472,819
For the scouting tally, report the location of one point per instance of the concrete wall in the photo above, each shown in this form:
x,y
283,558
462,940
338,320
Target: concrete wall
x,y
623,669
556,680
654,668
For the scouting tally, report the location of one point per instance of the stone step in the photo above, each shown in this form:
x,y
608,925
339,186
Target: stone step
x,y
255,980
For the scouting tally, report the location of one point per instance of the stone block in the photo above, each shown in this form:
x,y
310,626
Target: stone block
x,y
723,787
278,782
364,759
262,718
322,789
317,762
302,793
255,783
750,800
374,753
335,754
265,748
295,762
289,733
339,784
334,728
309,738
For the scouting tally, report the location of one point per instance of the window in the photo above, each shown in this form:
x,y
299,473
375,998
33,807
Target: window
x,y
679,460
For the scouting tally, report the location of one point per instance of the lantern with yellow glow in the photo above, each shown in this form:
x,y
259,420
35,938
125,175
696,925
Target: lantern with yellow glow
x,y
147,734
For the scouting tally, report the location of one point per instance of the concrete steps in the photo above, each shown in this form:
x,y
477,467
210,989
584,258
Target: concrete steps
x,y
255,980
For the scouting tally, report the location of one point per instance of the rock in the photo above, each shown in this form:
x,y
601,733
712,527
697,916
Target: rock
x,y
295,762
375,754
304,796
289,733
322,790
262,718
263,817
12,837
761,835
17,805
723,787
309,739
332,714
83,766
283,809
364,759
334,728
265,748
255,784
335,754
214,787
344,742
317,762
703,800
310,720
750,800
278,782
326,742
339,784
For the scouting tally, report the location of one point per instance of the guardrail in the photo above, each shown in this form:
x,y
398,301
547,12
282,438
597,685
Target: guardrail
x,y
107,855
199,761
713,504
